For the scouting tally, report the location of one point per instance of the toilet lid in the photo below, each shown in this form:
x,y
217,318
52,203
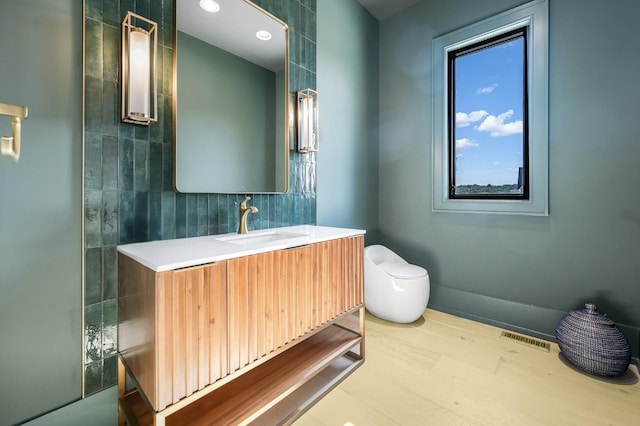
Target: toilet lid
x,y
403,270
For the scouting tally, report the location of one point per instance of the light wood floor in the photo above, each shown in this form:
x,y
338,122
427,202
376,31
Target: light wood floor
x,y
445,370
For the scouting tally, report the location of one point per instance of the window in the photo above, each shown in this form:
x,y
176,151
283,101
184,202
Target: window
x,y
490,115
487,117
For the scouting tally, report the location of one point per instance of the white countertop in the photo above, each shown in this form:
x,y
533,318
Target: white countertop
x,y
165,255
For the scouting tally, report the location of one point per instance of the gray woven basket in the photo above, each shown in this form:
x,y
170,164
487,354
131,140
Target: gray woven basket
x,y
591,342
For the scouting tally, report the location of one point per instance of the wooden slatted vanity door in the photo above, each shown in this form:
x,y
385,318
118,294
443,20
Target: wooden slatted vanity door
x,y
277,297
337,276
269,296
191,330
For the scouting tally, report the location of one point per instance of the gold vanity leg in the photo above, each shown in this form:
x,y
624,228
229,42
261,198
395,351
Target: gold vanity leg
x,y
121,391
362,349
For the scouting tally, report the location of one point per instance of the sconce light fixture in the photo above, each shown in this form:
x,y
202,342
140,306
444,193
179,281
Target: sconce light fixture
x,y
308,121
139,83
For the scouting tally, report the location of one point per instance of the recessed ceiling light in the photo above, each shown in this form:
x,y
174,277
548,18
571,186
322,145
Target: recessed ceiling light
x,y
210,5
263,35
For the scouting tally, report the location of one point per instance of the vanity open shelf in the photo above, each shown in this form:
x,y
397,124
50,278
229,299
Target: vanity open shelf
x,y
274,392
250,339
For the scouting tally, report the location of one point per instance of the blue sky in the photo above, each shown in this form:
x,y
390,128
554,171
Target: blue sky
x,y
489,114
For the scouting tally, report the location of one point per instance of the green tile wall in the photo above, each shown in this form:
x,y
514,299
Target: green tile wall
x,y
129,195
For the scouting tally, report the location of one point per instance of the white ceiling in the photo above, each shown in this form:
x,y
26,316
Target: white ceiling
x,y
383,9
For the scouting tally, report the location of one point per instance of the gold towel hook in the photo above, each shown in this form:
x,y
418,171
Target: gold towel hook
x,y
11,144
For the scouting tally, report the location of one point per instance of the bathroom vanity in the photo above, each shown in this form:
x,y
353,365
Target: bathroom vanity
x,y
238,329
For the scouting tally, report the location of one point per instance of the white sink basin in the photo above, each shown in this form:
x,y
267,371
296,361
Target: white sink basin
x,y
259,238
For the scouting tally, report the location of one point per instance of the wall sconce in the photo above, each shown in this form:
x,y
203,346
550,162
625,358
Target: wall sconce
x,y
308,140
139,83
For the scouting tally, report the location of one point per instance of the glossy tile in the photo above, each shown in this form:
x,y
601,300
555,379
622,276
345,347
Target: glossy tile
x,y
126,217
93,276
92,161
110,107
166,120
125,130
169,221
109,273
93,9
127,6
291,14
213,215
313,219
143,8
110,228
93,333
310,4
192,215
155,14
92,218
203,214
109,328
155,215
141,165
93,44
155,166
125,176
110,371
275,211
167,167
93,377
167,23
223,214
141,214
140,132
260,220
93,104
111,48
156,130
111,13
181,215
167,71
109,163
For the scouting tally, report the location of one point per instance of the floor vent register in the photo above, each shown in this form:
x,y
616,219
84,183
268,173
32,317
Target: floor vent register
x,y
526,340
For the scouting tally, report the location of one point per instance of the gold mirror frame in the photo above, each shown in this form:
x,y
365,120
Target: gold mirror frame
x,y
204,172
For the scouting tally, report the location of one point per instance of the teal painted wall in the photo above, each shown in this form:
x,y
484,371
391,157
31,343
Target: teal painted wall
x,y
587,249
99,409
40,209
348,102
129,194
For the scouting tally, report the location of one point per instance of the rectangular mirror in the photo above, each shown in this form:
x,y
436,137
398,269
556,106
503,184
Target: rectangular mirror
x,y
231,70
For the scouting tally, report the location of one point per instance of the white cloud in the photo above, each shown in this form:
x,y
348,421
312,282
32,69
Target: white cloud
x,y
496,163
465,143
496,126
463,119
486,90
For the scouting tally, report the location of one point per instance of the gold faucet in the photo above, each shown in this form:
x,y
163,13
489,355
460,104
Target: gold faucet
x,y
244,212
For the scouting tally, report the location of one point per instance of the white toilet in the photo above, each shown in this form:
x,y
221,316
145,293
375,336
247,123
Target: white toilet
x,y
394,290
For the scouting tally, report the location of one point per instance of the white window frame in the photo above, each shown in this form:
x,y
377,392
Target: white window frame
x,y
533,15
